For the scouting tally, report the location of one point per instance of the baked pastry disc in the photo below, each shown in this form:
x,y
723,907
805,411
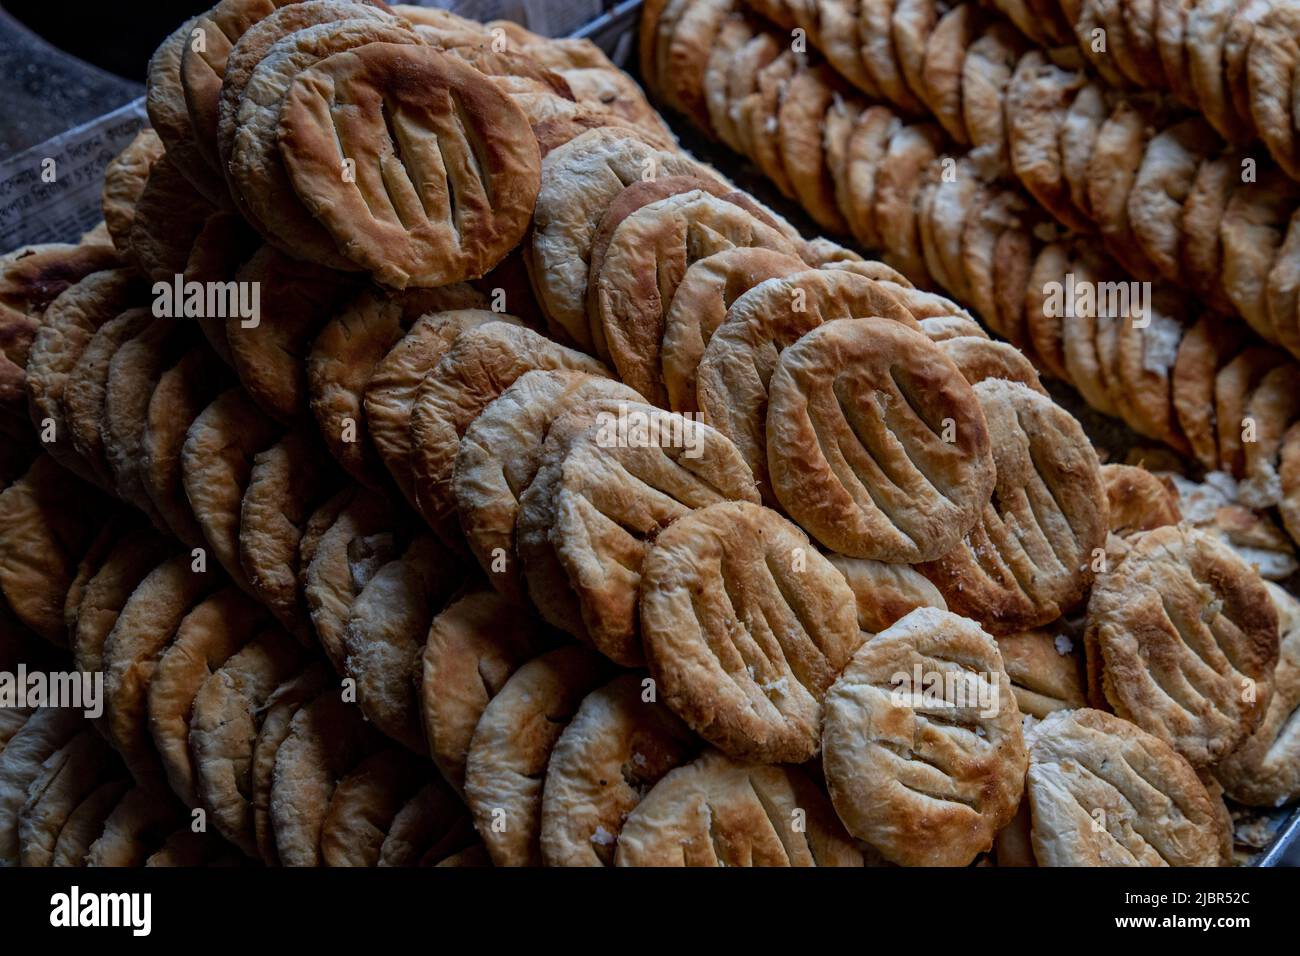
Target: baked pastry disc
x,y
48,519
636,274
146,625
1029,557
46,731
884,592
1265,770
365,804
328,739
512,745
473,647
1188,640
499,456
717,811
737,365
1103,792
621,482
876,443
396,380
431,827
745,627
287,482
277,715
479,366
579,181
223,726
210,634
136,828
447,168
346,354
387,627
67,777
924,755
615,749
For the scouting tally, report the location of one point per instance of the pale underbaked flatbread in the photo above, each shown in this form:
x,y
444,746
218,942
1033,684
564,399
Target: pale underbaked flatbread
x,y
223,725
716,811
620,483
1103,792
481,363
618,746
876,443
327,739
737,365
925,774
1265,770
745,627
473,647
386,631
1029,558
442,196
512,745
1188,641
499,455
210,634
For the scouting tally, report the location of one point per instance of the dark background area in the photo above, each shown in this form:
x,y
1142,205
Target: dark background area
x,y
116,36
67,61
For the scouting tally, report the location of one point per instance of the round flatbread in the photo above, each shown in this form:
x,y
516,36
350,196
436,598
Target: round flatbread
x,y
717,811
745,627
924,755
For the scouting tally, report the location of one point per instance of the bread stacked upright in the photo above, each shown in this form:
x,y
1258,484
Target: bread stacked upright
x,y
441,467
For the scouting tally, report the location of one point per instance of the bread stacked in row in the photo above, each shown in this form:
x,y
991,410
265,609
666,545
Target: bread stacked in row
x,y
1198,385
577,552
